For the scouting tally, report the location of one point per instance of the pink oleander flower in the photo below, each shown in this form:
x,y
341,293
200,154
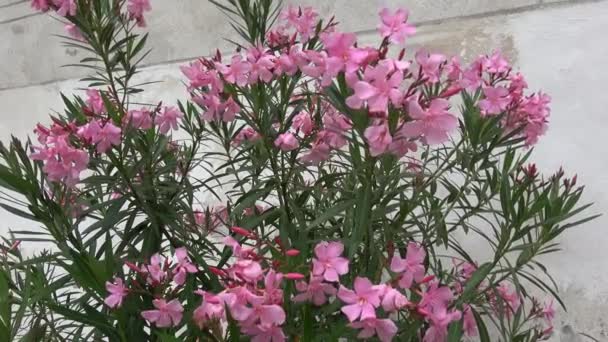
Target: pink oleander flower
x,y
394,26
139,119
273,293
496,64
548,313
167,314
183,266
469,324
286,142
237,72
303,20
211,308
155,270
328,262
118,291
302,122
362,302
430,65
341,55
319,152
73,31
95,101
265,333
40,5
393,300
288,63
136,9
496,100
247,134
401,144
411,268
262,65
65,7
379,86
62,162
440,320
315,291
168,119
433,124
510,299
472,77
335,126
108,135
385,329
231,109
247,270
453,69
200,76
378,138
435,299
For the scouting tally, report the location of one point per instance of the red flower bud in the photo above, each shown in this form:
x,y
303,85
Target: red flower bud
x,y
292,252
294,276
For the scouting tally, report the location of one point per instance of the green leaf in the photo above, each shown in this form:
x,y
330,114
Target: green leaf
x,y
484,336
478,276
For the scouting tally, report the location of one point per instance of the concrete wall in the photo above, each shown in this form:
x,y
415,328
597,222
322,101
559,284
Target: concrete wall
x,y
559,45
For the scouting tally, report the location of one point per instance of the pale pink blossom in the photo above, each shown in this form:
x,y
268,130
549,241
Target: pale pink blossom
x,y
108,135
378,87
273,293
496,100
315,291
430,64
41,5
247,134
288,63
439,322
411,268
510,299
385,329
393,300
548,312
335,126
472,76
328,261
433,124
453,69
65,7
231,109
183,266
378,138
167,314
261,64
139,119
136,9
168,119
302,122
319,152
237,72
155,270
200,76
286,142
302,19
401,144
212,307
95,101
394,26
496,64
362,302
62,162
73,31
118,291
469,324
265,333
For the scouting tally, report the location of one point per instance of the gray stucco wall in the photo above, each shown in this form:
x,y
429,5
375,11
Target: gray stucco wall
x,y
559,45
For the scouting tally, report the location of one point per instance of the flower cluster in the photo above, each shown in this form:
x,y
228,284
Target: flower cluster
x,y
406,101
64,146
